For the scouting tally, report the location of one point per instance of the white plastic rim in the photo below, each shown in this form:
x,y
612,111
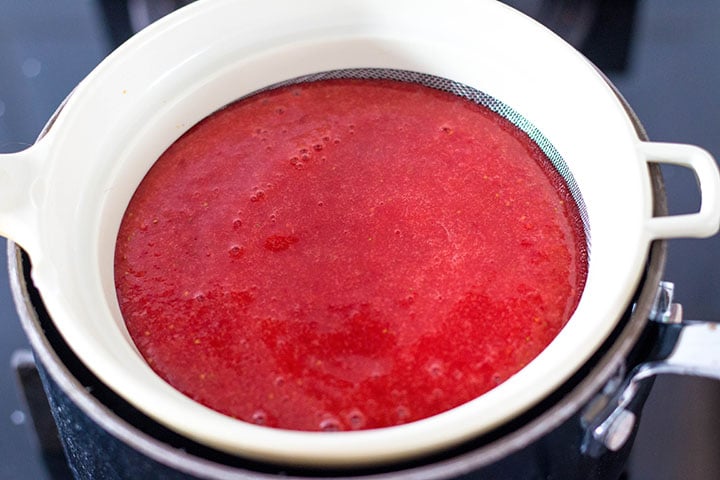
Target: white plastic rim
x,y
63,199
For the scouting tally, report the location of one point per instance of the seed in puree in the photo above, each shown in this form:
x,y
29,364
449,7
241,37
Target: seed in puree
x,y
347,254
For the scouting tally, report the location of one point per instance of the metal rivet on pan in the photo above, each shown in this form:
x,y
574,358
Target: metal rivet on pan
x,y
616,430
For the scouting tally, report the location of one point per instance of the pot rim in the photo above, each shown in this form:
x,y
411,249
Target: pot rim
x,y
612,360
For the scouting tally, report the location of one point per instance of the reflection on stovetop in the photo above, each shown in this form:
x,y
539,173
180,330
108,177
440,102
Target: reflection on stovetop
x,y
664,56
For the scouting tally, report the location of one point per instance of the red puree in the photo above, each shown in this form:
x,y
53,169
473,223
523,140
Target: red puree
x,y
347,254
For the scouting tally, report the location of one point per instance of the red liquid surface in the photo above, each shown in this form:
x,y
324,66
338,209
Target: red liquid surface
x,y
347,254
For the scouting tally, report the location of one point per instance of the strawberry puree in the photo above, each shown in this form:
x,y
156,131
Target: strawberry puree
x,y
347,254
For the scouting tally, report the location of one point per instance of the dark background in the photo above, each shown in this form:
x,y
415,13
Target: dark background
x,y
663,55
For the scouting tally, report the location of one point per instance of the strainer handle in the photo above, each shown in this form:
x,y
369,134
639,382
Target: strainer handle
x,y
20,192
706,221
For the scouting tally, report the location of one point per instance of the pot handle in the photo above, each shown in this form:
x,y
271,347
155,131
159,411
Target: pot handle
x,y
691,347
20,193
706,221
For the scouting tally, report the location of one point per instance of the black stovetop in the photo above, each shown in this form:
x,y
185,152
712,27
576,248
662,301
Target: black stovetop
x,y
665,60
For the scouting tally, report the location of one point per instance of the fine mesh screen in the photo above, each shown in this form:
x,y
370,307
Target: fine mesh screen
x,y
473,95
